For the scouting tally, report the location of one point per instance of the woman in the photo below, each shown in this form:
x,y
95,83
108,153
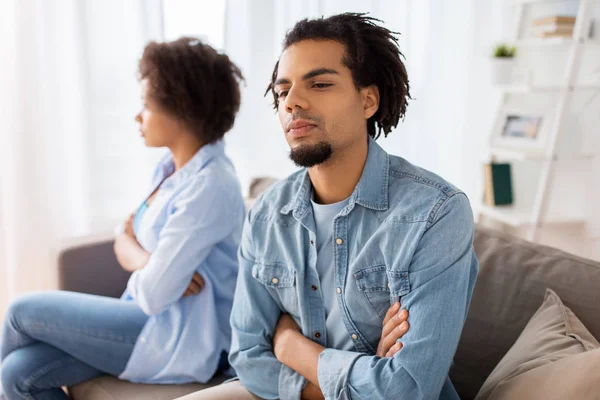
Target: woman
x,y
172,323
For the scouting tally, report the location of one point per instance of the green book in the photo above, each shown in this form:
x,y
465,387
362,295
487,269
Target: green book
x,y
498,184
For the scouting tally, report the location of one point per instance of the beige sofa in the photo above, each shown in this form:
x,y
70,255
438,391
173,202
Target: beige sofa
x,y
513,277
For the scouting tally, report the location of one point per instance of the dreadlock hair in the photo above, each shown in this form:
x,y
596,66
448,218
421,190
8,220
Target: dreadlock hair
x,y
373,57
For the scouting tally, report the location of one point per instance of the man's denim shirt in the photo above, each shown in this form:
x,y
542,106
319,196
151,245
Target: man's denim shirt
x,y
407,235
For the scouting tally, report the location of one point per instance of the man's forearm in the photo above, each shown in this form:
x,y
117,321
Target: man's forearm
x,y
302,355
129,253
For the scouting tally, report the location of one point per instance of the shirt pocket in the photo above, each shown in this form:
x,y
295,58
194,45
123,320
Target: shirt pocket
x,y
280,281
381,287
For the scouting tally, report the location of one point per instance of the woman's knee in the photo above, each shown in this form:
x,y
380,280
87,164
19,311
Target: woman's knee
x,y
26,308
15,372
32,368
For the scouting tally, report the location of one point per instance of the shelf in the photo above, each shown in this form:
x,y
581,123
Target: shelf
x,y
518,2
543,41
516,217
505,214
517,88
553,41
519,155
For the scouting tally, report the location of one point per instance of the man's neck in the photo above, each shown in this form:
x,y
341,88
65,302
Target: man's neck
x,y
335,180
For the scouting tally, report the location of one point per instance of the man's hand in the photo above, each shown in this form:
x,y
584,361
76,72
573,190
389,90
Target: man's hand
x,y
312,392
395,325
285,328
195,286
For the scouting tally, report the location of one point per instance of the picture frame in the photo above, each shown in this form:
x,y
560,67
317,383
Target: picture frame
x,y
521,130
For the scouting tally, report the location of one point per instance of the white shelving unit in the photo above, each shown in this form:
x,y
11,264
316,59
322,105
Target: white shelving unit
x,y
535,216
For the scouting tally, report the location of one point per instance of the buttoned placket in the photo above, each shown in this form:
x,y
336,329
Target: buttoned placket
x,y
341,251
315,327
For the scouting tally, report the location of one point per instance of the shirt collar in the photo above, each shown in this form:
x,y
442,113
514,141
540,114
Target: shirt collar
x,y
371,190
202,157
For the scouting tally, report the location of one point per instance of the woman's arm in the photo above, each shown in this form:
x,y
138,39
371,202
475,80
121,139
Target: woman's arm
x,y
132,256
204,214
129,253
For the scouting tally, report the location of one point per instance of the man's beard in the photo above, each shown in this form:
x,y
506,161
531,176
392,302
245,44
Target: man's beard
x,y
310,155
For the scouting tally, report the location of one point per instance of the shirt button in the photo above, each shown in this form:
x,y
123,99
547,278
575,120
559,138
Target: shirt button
x,y
354,336
389,287
314,287
317,335
275,281
312,242
339,290
339,241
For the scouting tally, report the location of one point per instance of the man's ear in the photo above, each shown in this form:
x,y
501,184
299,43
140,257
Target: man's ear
x,y
370,97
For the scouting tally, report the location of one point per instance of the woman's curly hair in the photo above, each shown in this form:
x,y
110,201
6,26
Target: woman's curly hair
x,y
193,82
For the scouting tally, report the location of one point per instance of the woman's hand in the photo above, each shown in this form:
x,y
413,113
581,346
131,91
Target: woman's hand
x,y
195,286
128,224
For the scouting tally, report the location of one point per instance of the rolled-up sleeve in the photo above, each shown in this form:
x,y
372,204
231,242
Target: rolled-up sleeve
x,y
253,319
442,275
201,216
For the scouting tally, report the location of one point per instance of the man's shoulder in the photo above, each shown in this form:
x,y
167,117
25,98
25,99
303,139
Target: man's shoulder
x,y
415,192
403,172
269,203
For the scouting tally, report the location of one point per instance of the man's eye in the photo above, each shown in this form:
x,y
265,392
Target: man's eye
x,y
282,94
321,85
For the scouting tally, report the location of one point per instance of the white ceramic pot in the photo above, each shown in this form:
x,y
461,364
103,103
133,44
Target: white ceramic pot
x,y
502,70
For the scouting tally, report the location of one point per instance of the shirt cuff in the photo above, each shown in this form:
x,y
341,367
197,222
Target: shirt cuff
x,y
334,370
291,383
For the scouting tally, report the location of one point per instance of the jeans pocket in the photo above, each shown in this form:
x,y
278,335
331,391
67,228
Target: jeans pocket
x,y
280,281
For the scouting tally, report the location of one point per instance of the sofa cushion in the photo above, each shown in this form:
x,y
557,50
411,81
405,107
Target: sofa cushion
x,y
512,281
573,377
553,333
111,388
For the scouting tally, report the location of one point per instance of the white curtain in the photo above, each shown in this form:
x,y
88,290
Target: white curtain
x,y
446,48
70,159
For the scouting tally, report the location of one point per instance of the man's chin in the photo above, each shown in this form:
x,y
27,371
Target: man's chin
x,y
310,155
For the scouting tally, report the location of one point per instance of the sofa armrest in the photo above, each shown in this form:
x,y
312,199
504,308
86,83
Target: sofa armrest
x,y
90,266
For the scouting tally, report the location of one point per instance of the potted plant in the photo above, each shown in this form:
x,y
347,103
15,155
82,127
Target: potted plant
x,y
502,64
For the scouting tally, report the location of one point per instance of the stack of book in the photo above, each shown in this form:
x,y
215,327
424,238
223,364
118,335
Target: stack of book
x,y
498,184
554,26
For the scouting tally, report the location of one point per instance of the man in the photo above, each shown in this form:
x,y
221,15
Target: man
x,y
327,251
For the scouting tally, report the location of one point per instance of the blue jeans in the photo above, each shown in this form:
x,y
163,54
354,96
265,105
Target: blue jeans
x,y
55,339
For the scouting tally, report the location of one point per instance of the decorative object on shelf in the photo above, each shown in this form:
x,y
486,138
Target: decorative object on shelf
x,y
502,64
523,126
497,184
519,129
554,26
